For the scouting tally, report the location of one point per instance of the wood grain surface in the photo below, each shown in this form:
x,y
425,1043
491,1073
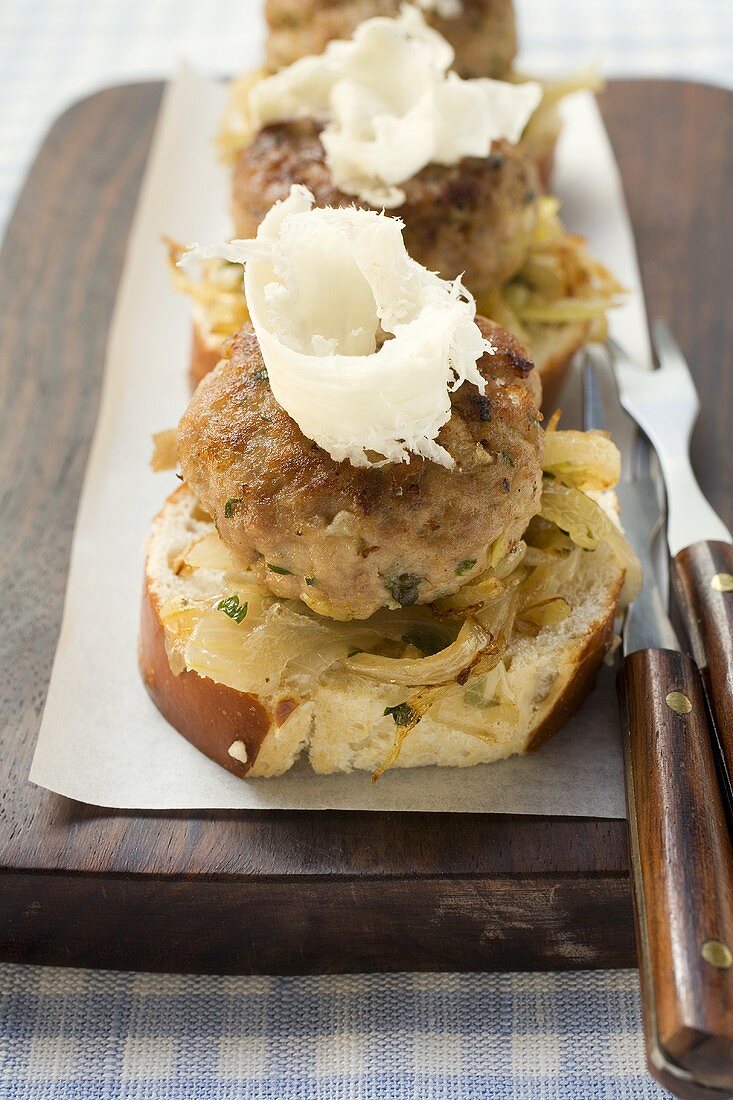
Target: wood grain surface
x,y
276,890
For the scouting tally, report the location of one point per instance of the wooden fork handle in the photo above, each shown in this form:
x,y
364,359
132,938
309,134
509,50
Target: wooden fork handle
x,y
703,581
682,866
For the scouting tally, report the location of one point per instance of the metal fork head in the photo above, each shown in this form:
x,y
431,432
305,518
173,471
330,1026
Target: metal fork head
x,y
665,405
664,401
672,364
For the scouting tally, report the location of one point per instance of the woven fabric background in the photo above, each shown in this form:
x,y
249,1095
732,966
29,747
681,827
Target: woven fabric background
x,y
98,1036
82,1035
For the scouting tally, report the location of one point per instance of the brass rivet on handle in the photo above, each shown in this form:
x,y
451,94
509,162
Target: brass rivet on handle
x,y
678,702
722,582
717,954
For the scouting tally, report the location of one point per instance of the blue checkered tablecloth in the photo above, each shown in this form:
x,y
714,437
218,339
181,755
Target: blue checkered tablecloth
x,y
83,1035
87,1034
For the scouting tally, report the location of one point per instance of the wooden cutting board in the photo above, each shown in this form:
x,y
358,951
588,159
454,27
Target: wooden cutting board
x,y
283,891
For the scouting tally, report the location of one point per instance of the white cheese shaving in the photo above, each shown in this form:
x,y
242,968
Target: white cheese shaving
x,y
324,288
446,9
390,106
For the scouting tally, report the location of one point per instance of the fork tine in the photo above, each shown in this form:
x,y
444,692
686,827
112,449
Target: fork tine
x,y
667,349
625,372
671,360
617,353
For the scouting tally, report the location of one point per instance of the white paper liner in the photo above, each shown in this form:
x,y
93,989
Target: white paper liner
x,y
101,739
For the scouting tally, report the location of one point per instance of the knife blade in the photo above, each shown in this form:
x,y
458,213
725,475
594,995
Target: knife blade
x,y
664,403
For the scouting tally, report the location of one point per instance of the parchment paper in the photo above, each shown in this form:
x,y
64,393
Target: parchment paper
x,y
101,740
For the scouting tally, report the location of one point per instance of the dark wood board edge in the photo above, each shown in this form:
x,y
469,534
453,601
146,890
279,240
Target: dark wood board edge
x,y
52,340
319,925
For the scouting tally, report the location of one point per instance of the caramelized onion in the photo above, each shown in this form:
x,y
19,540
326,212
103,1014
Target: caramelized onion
x,y
438,669
583,460
587,524
209,552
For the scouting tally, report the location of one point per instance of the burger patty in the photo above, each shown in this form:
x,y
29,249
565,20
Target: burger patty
x,y
483,35
348,540
475,217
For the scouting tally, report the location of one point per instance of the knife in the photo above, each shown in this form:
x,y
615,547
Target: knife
x,y
681,855
664,403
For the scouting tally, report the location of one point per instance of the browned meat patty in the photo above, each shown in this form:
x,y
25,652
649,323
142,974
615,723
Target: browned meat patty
x,y
484,35
474,217
350,540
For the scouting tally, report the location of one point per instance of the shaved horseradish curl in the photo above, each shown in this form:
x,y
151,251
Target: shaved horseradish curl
x,y
390,106
446,9
362,345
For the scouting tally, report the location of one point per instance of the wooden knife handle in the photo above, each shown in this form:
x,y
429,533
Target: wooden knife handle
x,y
703,583
682,865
